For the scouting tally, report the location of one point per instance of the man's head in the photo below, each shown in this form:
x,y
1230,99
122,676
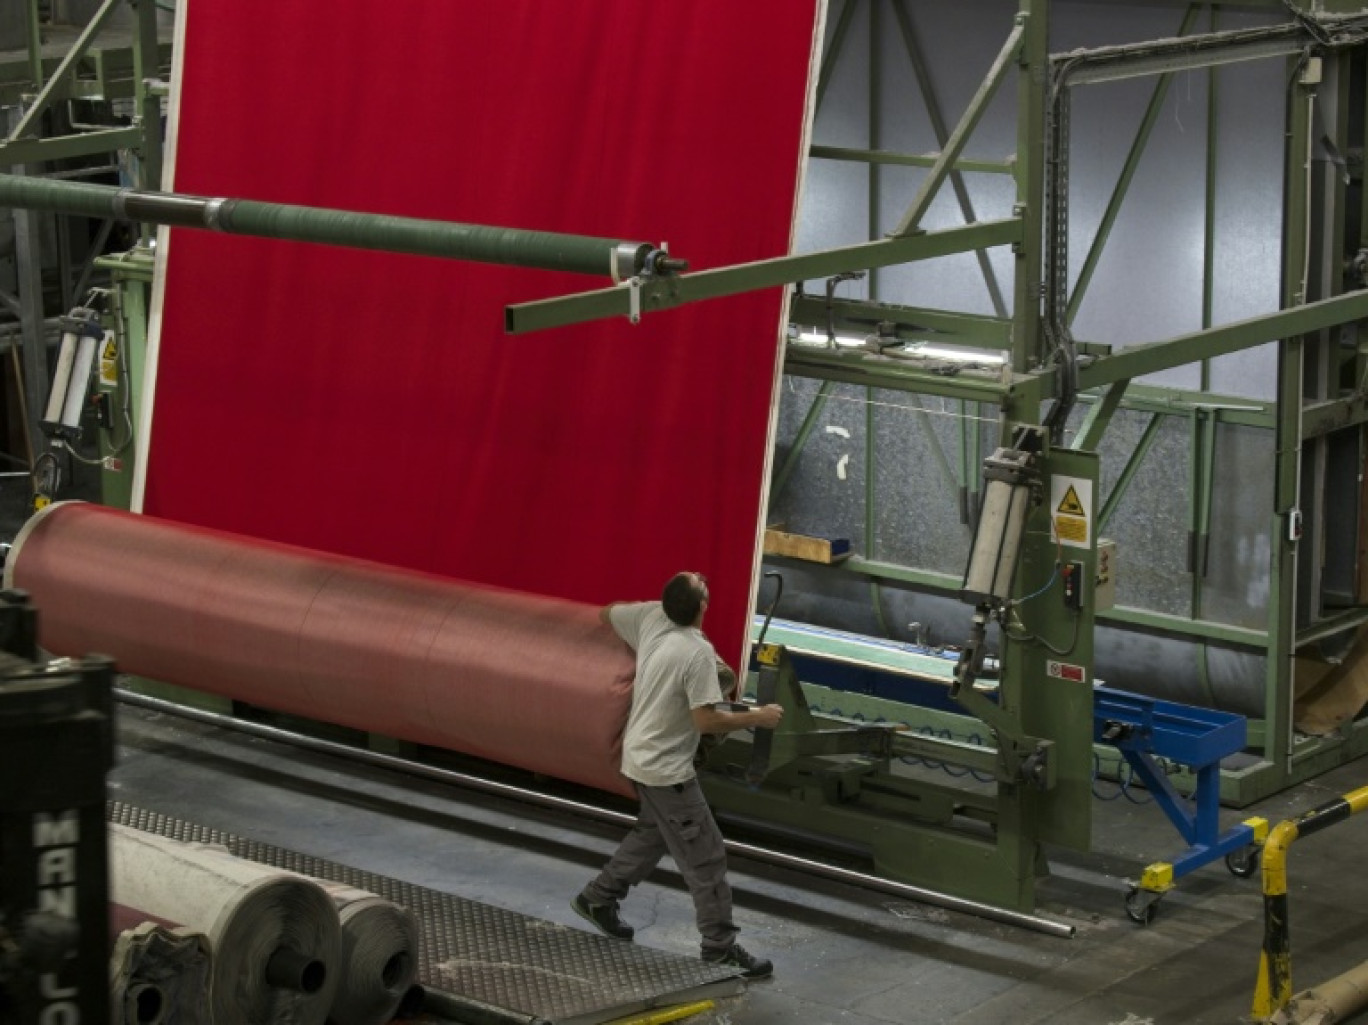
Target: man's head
x,y
685,598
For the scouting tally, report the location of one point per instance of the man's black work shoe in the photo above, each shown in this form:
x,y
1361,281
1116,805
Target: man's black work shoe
x,y
735,956
603,917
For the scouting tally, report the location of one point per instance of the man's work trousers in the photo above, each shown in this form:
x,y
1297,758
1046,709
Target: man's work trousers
x,y
675,819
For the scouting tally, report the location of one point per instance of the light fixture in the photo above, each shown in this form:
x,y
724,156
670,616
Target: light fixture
x,y
818,338
996,359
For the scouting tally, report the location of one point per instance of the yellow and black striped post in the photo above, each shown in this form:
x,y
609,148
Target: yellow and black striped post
x,y
1273,990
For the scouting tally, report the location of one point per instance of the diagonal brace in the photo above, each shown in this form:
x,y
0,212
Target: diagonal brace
x,y
945,163
59,77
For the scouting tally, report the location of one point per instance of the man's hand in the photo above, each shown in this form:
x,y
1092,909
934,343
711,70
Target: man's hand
x,y
766,716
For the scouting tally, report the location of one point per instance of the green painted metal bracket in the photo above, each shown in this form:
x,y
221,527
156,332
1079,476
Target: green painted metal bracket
x,y
1218,341
50,90
782,270
134,265
1004,725
950,152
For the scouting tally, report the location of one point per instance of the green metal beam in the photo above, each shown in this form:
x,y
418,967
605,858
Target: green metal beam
x,y
1323,418
833,51
930,580
960,136
64,147
1099,418
912,322
781,478
1204,630
135,265
35,44
881,156
1029,164
145,66
1114,63
861,368
50,90
1123,182
1218,341
1228,409
1123,482
781,270
933,110
1349,619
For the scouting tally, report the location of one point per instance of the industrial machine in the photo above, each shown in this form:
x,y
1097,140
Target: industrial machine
x,y
988,748
56,741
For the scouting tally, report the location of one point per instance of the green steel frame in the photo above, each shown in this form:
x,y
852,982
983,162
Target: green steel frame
x,y
97,65
1105,381
1030,379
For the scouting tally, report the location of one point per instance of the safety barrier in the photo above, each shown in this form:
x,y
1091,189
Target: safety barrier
x,y
1273,991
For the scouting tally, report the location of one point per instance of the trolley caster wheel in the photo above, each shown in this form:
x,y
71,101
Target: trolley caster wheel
x,y
1244,862
1141,905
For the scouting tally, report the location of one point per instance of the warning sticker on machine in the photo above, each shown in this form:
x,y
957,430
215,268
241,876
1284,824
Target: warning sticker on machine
x,y
1070,505
109,360
1071,500
1066,671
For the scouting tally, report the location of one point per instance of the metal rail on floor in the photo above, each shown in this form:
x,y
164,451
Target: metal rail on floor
x,y
1273,990
761,854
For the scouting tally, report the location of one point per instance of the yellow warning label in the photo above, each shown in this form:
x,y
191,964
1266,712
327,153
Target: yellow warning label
x,y
1071,528
109,362
1070,505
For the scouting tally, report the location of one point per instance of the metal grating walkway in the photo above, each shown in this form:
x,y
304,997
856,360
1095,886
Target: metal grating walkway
x,y
488,965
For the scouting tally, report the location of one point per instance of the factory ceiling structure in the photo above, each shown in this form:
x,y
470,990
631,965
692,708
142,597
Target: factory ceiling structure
x,y
998,361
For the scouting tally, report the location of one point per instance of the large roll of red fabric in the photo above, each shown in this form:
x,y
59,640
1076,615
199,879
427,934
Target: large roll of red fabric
x,y
528,681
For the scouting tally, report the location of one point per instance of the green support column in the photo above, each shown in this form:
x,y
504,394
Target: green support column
x,y
132,283
1033,80
1052,673
145,68
1282,599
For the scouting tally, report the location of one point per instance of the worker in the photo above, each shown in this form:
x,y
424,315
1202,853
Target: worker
x,y
674,702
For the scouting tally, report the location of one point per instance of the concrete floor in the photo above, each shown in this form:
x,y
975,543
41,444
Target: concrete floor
x,y
842,955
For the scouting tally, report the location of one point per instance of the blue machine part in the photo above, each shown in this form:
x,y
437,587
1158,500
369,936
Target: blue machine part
x,y
907,673
1143,729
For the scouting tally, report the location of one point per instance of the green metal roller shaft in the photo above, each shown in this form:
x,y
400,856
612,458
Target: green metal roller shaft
x,y
545,250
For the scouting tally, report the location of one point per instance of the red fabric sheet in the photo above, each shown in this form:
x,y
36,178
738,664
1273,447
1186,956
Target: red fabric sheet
x,y
370,404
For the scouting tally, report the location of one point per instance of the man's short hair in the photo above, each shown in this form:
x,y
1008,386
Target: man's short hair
x,y
682,599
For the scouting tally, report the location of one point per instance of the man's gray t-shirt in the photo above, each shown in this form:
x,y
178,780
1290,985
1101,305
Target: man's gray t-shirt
x,y
676,673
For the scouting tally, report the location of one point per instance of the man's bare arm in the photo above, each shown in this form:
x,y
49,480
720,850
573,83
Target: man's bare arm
x,y
708,719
